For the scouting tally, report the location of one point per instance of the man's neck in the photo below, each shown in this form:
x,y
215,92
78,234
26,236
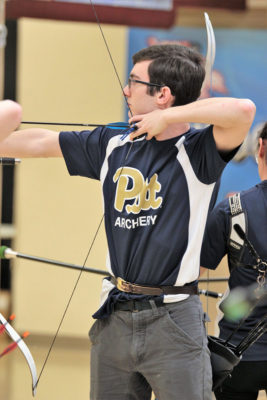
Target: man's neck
x,y
262,167
173,131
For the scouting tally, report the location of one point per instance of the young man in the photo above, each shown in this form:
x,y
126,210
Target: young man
x,y
10,117
250,375
149,331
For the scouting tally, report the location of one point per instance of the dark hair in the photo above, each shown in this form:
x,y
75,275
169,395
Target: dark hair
x,y
263,132
263,136
179,67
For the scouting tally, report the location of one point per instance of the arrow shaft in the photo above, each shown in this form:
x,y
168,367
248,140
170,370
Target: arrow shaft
x,y
62,264
9,348
8,253
74,124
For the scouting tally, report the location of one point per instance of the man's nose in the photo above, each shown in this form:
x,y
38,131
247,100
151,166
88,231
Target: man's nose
x,y
126,91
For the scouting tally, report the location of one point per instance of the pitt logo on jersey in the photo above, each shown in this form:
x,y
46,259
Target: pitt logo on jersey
x,y
131,185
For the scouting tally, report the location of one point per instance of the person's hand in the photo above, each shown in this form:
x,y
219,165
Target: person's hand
x,y
151,124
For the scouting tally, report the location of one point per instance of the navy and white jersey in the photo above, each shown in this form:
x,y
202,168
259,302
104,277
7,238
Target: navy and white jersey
x,y
216,245
156,200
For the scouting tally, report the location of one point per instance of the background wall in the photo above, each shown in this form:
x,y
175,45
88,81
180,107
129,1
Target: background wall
x,y
64,74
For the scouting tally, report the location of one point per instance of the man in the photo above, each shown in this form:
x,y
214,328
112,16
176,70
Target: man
x,y
10,117
250,375
149,331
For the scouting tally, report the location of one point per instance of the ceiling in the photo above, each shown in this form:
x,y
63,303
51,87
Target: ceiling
x,y
183,10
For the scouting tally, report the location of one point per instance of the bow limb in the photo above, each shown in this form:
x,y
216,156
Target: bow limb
x,y
23,348
211,52
210,58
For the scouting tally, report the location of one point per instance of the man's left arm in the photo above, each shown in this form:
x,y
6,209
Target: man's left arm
x,y
231,128
231,119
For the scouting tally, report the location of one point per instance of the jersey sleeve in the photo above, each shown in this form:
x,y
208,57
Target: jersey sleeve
x,y
84,151
207,162
214,246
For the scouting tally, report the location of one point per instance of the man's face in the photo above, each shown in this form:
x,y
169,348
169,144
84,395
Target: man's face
x,y
139,101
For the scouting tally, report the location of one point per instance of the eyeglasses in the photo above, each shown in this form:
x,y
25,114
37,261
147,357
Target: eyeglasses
x,y
130,80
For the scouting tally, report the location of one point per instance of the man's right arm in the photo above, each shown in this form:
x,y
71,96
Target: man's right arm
x,y
33,143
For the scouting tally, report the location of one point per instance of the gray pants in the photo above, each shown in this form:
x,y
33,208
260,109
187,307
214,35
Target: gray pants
x,y
163,349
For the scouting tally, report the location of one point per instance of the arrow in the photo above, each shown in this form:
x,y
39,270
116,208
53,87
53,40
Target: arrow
x,y
7,253
24,349
14,345
121,125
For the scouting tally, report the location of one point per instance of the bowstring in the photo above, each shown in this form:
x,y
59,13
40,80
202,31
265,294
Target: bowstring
x,y
109,53
103,216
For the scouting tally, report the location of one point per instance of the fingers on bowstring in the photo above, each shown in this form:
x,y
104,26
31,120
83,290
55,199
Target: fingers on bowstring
x,y
136,133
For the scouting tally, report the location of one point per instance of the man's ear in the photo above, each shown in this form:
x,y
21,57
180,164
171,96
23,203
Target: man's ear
x,y
261,151
164,97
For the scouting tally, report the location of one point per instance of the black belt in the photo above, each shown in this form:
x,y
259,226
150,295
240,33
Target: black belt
x,y
136,305
152,290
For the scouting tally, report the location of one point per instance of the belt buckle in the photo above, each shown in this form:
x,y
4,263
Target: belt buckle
x,y
127,287
122,284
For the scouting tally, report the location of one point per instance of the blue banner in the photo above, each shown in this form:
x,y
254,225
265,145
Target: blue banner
x,y
240,70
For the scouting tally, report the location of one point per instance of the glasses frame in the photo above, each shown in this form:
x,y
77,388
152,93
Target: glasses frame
x,y
130,80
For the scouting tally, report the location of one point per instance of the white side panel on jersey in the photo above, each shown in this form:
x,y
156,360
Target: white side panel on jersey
x,y
112,144
199,200
108,263
107,286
